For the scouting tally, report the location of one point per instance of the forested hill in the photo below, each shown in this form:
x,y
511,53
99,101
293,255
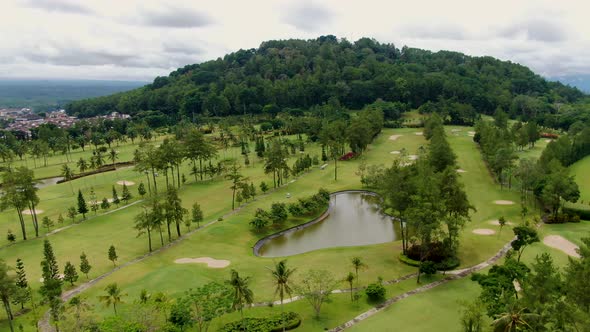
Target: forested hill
x,y
298,74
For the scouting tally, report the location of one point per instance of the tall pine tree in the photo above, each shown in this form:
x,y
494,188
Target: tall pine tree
x,y
82,207
85,266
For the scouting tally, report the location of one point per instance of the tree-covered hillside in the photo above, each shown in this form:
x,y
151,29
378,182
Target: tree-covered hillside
x,y
298,74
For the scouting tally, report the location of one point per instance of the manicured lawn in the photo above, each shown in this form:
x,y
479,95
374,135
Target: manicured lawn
x,y
232,238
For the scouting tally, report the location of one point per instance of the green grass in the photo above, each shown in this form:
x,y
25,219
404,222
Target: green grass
x,y
580,171
233,239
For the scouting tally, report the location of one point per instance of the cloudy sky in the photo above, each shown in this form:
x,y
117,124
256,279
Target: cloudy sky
x,y
140,39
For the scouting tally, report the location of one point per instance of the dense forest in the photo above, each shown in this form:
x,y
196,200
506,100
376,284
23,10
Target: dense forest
x,y
295,75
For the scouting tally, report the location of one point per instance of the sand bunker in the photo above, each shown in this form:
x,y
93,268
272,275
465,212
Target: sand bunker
x,y
503,202
126,183
561,243
394,137
455,130
461,171
419,133
497,222
213,263
412,157
484,231
395,152
29,212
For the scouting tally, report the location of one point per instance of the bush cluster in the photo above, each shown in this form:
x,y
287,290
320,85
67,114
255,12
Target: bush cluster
x,y
309,205
375,292
274,323
562,218
582,213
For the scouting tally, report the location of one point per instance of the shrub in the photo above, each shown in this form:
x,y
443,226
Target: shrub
x,y
437,252
581,213
273,323
375,292
406,260
428,267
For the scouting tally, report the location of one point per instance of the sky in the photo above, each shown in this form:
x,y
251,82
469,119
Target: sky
x,y
141,39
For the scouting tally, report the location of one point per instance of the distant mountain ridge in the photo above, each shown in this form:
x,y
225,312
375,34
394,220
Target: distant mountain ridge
x,y
581,82
46,94
302,74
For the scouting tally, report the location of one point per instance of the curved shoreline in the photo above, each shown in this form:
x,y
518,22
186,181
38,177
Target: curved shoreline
x,y
261,242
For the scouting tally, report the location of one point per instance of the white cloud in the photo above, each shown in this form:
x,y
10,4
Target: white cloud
x,y
139,39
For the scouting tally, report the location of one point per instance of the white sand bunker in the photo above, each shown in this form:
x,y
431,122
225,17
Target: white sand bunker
x,y
547,141
395,152
455,130
126,183
484,231
412,157
561,243
29,212
213,263
497,222
419,133
394,137
461,171
60,276
503,202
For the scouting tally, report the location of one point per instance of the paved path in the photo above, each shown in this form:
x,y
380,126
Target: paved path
x,y
452,275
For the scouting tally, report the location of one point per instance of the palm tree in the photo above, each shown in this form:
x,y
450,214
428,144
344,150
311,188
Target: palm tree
x,y
113,155
350,278
281,275
358,264
513,320
113,296
68,174
242,293
82,166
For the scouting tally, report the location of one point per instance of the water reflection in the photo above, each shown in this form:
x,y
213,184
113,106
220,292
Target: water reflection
x,y
355,219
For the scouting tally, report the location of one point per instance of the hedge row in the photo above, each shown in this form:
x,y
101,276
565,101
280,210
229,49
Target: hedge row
x,y
562,218
274,323
584,214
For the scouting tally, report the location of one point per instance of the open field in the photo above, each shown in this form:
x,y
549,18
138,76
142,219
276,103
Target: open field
x,y
232,239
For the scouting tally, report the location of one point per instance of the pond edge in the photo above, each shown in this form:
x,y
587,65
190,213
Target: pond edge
x,y
260,243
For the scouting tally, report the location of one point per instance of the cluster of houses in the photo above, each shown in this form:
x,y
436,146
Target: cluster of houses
x,y
24,119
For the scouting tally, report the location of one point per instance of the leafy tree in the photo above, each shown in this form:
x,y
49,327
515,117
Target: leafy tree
x,y
316,287
173,211
113,296
60,219
281,275
72,213
70,273
85,266
67,174
113,255
263,187
82,207
144,224
502,223
524,236
105,204
559,186
208,302
7,291
577,279
261,219
197,214
278,213
472,317
375,292
242,294
47,223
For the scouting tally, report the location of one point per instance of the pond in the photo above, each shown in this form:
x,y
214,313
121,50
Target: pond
x,y
354,218
48,182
